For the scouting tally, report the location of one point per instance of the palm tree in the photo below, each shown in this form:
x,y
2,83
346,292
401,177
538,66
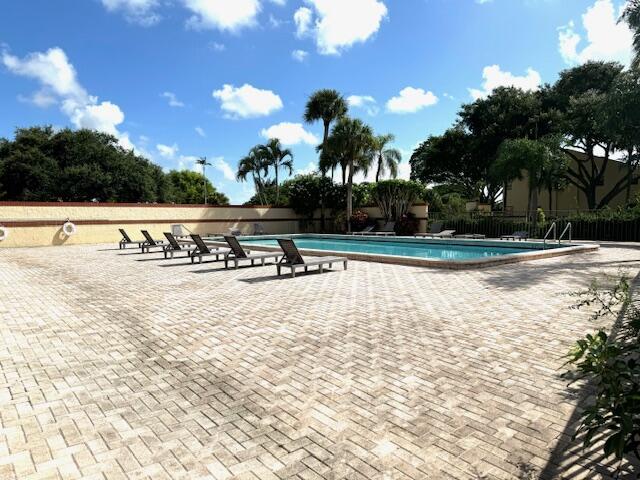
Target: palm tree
x,y
203,161
273,155
253,164
352,141
631,15
326,105
387,158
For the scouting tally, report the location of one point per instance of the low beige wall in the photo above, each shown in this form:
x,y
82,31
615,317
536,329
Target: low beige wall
x,y
38,224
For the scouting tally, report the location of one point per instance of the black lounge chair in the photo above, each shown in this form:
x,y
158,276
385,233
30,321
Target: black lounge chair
x,y
238,253
126,240
292,258
150,243
174,246
519,235
203,250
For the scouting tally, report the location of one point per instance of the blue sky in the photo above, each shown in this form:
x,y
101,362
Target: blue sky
x,y
177,79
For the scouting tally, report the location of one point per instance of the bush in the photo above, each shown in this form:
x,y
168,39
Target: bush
x,y
394,198
611,365
359,220
407,225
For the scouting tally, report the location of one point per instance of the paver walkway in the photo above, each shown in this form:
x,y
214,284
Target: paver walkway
x,y
122,366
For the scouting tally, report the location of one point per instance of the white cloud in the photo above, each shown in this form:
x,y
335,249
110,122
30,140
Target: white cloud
x,y
172,99
299,55
217,47
411,100
200,132
290,134
136,11
167,151
494,77
366,102
59,84
227,172
606,38
223,14
247,101
310,168
338,23
303,19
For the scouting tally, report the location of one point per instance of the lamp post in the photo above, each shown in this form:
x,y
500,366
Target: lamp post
x,y
203,161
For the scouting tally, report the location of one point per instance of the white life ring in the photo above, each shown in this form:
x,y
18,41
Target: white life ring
x,y
4,233
69,229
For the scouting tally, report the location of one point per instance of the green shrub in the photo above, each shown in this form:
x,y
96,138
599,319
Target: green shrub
x,y
407,225
394,198
611,365
359,220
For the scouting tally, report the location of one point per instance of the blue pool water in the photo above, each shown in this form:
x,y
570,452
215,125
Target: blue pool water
x,y
449,250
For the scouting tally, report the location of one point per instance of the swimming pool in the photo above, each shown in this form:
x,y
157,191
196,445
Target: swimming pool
x,y
449,253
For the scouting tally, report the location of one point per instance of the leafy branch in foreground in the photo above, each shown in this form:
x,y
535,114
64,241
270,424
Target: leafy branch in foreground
x,y
611,364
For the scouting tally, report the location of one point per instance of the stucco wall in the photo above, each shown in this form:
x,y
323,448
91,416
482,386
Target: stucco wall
x,y
35,224
38,224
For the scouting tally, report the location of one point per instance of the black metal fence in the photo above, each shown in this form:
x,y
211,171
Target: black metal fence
x,y
584,227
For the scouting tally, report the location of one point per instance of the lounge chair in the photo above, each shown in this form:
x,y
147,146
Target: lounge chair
x,y
473,236
126,240
150,242
203,250
365,231
442,234
519,235
238,253
388,229
292,259
258,229
174,246
436,227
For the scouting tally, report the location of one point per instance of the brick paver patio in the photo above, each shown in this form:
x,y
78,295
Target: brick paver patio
x,y
122,366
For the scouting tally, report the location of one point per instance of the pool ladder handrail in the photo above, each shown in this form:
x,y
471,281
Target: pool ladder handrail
x,y
553,228
569,229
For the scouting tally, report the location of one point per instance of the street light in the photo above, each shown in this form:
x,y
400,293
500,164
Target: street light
x,y
203,161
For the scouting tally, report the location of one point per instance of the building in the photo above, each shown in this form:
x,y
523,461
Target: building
x,y
571,199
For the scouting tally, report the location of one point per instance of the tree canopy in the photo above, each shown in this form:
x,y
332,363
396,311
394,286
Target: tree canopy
x,y
592,111
43,164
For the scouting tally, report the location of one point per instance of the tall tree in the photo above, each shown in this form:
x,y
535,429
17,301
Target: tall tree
x,y
41,164
631,15
326,105
450,159
273,155
541,160
188,187
581,95
202,161
622,113
354,140
387,158
253,165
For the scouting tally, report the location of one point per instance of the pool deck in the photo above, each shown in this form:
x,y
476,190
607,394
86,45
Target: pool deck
x,y
118,365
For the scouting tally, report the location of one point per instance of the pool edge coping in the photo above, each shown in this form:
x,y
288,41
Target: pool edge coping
x,y
425,262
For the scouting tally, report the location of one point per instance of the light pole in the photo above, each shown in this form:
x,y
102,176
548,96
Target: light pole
x,y
203,161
